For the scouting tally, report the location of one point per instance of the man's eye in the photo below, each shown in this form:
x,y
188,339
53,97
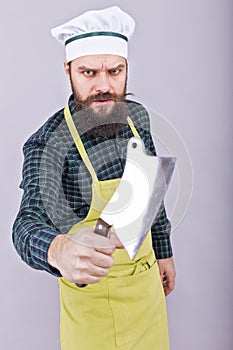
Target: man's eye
x,y
88,73
115,71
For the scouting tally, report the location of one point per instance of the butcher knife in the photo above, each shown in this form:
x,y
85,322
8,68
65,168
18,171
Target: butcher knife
x,y
138,197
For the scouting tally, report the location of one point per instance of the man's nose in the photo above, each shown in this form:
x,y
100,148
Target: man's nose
x,y
102,83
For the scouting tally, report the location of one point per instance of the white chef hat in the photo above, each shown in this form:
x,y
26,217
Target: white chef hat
x,y
104,31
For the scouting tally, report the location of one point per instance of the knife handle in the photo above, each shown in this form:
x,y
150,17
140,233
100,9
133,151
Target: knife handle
x,y
102,228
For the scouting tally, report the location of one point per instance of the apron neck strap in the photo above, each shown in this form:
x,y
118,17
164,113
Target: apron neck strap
x,y
132,127
79,144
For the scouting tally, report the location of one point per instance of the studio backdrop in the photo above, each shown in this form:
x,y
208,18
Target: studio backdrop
x,y
180,68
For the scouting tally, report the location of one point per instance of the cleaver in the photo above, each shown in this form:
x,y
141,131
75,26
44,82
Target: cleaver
x,y
138,197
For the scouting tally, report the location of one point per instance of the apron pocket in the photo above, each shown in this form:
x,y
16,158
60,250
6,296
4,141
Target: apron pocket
x,y
135,302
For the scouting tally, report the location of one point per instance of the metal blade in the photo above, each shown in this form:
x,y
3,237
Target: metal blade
x,y
136,202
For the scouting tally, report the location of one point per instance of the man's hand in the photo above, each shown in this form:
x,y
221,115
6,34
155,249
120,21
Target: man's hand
x,y
82,258
168,274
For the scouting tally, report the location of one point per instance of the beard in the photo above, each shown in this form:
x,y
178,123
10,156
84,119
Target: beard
x,y
104,120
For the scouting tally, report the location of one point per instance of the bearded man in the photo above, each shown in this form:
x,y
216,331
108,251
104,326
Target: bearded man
x,y
73,165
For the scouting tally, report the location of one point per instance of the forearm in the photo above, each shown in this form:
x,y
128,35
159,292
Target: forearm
x,y
32,239
35,226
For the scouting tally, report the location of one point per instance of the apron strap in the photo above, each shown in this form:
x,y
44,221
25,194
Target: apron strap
x,y
132,127
79,143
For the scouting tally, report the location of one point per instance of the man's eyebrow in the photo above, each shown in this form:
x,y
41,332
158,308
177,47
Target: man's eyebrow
x,y
121,65
84,68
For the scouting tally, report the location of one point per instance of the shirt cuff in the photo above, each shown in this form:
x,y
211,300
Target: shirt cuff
x,y
162,248
39,251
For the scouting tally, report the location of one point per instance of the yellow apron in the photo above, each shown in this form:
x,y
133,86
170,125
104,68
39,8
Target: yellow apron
x,y
126,309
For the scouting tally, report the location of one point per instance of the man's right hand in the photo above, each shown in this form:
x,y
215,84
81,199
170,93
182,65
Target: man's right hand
x,y
82,258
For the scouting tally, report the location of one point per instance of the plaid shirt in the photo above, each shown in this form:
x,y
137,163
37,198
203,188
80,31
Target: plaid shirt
x,y
57,185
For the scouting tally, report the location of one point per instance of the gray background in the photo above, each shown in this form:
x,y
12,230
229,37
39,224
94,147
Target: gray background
x,y
180,65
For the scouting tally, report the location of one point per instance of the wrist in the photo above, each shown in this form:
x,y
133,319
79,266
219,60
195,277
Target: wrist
x,y
53,252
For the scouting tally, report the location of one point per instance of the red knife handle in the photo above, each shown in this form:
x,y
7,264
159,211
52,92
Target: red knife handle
x,y
102,228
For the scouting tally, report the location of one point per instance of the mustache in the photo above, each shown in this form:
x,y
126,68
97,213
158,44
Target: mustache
x,y
102,96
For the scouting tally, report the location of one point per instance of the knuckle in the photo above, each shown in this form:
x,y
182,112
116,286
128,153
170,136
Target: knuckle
x,y
80,277
96,279
110,261
82,268
107,265
105,271
84,253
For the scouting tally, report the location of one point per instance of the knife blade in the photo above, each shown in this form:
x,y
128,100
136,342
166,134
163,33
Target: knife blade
x,y
138,197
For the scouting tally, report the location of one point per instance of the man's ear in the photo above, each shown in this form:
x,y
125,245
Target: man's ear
x,y
67,68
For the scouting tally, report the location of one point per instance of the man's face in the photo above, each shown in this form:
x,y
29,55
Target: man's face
x,y
98,80
99,84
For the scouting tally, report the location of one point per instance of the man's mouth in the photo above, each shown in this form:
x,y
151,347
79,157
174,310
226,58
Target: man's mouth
x,y
102,102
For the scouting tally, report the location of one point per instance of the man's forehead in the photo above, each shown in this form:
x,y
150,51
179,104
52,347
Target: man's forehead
x,y
100,61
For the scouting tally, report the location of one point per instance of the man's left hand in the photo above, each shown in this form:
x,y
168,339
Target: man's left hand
x,y
168,274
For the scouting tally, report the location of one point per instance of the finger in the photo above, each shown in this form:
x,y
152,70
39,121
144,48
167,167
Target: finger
x,y
91,274
87,272
117,243
104,244
105,251
169,285
101,259
87,238
99,271
87,280
167,291
162,276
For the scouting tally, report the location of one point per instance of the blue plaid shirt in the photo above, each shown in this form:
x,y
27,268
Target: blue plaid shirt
x,y
57,186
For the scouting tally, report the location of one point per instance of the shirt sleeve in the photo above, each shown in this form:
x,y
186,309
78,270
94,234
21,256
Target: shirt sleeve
x,y
34,229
